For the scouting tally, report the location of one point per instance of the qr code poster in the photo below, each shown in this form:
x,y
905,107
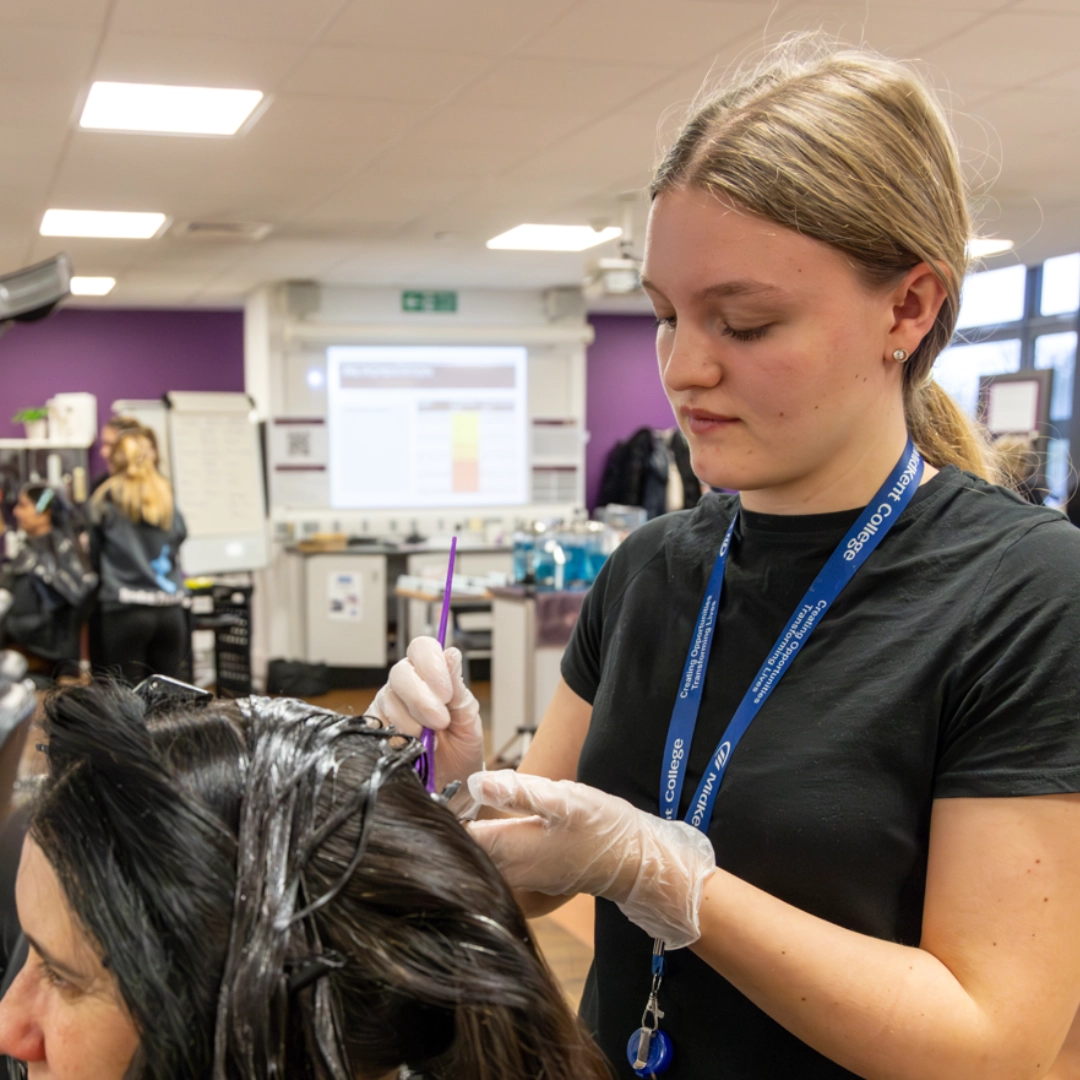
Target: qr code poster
x,y
299,442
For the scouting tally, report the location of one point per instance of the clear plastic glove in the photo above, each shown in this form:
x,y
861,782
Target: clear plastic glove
x,y
426,690
577,839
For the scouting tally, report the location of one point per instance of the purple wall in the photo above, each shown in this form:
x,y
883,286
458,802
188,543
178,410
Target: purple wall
x,y
622,389
118,354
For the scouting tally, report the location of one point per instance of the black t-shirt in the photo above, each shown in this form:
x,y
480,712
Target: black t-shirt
x,y
946,668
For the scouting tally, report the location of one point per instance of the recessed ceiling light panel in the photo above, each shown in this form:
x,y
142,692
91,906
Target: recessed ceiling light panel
x,y
91,286
106,224
167,110
983,247
552,238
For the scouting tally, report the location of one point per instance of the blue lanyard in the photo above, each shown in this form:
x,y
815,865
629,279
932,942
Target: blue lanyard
x,y
861,539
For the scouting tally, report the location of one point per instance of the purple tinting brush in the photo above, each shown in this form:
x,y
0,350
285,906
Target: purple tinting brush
x,y
427,736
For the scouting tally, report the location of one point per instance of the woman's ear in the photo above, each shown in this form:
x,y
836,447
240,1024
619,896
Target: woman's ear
x,y
916,302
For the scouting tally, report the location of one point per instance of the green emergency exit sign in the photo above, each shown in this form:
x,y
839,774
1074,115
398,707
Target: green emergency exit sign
x,y
428,301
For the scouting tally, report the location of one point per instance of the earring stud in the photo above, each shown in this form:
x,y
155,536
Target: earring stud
x,y
900,355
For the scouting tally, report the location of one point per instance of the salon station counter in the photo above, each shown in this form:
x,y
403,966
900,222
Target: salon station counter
x,y
530,632
349,602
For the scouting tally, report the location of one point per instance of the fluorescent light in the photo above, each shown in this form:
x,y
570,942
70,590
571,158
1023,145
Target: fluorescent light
x,y
983,247
91,286
553,238
110,224
167,110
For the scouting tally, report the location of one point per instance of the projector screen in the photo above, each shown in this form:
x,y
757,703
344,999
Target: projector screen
x,y
426,426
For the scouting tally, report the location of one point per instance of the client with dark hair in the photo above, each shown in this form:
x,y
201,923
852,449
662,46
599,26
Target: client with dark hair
x,y
259,889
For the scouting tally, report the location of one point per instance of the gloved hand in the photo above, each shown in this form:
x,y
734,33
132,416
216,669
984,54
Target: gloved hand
x,y
578,839
426,690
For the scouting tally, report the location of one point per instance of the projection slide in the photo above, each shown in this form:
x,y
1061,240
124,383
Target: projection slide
x,y
426,426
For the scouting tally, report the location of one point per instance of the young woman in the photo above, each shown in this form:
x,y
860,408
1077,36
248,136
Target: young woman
x,y
843,843
135,542
261,889
50,583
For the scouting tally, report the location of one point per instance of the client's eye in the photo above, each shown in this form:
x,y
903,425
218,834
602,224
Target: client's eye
x,y
53,977
665,321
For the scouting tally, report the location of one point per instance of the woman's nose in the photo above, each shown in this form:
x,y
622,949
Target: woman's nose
x,y
21,1036
687,362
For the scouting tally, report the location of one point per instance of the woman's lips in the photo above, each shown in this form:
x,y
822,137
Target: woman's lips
x,y
702,422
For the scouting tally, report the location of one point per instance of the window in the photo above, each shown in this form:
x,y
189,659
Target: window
x,y
959,367
1058,353
993,297
1060,285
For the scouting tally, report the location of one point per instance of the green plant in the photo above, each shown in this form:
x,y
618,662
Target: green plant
x,y
28,416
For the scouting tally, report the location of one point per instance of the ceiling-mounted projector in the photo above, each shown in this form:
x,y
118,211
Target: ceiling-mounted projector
x,y
31,293
619,276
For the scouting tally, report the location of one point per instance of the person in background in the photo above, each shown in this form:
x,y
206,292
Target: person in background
x,y
50,584
135,537
1018,460
113,429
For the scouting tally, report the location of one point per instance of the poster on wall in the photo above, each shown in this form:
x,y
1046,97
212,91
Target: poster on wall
x,y
299,457
344,596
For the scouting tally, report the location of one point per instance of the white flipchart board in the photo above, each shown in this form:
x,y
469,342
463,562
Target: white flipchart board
x,y
218,480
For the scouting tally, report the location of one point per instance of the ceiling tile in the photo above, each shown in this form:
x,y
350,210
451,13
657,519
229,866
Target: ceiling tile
x,y
418,153
611,147
373,204
636,33
384,74
1067,81
70,13
294,121
46,54
1008,50
195,61
1048,7
477,26
246,20
480,125
881,25
531,82
37,106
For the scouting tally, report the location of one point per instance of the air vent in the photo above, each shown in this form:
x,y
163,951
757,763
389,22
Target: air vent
x,y
220,230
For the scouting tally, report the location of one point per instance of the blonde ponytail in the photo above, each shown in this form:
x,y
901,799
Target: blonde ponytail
x,y
945,435
850,148
136,486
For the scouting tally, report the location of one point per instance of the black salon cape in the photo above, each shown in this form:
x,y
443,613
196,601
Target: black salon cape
x,y
947,668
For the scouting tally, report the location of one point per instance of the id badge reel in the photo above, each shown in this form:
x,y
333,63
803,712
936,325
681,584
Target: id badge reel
x,y
649,1049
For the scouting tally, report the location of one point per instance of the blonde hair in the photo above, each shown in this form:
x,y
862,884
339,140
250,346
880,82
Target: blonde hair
x,y
852,149
136,486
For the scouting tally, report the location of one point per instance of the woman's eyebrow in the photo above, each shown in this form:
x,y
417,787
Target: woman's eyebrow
x,y
723,289
742,287
57,965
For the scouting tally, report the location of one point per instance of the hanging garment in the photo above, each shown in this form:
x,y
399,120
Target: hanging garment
x,y
637,471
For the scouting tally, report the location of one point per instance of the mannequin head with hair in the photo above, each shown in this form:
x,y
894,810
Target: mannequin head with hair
x,y
807,245
264,889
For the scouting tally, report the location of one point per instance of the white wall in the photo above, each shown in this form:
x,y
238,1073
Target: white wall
x,y
287,329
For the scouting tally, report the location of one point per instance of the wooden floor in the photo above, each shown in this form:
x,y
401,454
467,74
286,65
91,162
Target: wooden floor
x,y
564,937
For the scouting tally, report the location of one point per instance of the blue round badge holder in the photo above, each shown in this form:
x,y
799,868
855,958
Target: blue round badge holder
x,y
649,1049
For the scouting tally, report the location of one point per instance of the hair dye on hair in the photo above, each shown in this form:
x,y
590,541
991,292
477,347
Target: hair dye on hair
x,y
278,895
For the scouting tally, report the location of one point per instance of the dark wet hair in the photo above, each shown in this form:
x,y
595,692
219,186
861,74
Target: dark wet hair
x,y
47,498
278,896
